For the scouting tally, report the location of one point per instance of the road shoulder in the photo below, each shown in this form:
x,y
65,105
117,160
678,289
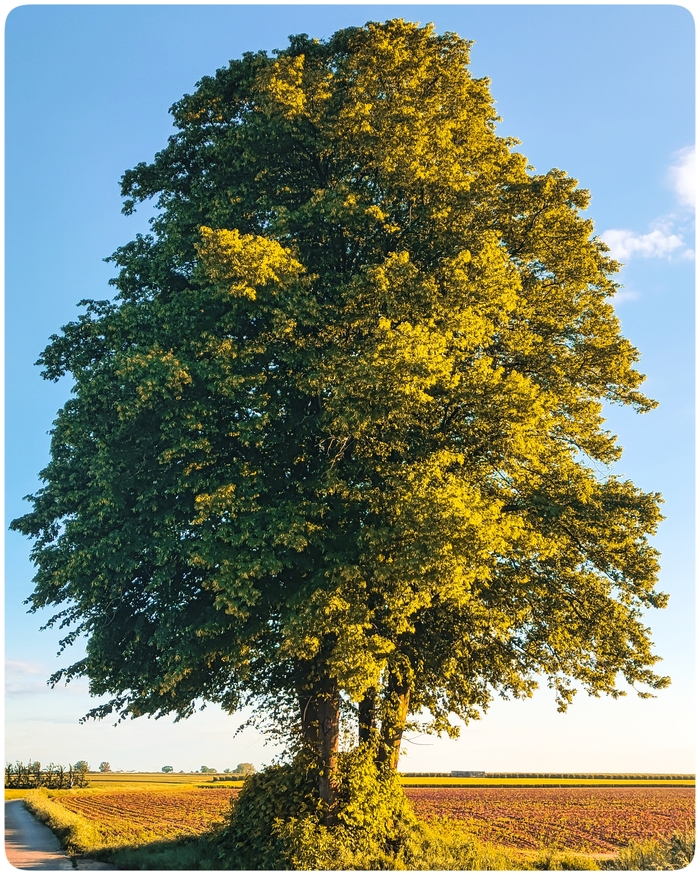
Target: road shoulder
x,y
30,844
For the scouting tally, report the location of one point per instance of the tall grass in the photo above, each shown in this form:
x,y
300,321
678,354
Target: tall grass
x,y
442,847
674,853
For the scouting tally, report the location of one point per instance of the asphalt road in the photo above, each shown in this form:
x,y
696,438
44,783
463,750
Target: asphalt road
x,y
31,845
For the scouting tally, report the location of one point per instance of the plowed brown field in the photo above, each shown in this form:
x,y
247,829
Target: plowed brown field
x,y
596,820
161,814
590,820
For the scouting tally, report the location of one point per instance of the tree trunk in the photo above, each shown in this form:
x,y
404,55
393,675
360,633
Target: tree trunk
x,y
328,735
319,708
367,715
394,722
308,709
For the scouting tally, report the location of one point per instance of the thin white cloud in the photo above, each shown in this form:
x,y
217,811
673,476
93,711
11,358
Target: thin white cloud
x,y
659,243
26,689
24,685
21,678
15,667
665,240
682,176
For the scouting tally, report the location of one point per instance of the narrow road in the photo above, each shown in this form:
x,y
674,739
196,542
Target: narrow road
x,y
31,845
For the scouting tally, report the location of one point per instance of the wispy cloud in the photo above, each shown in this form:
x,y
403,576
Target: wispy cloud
x,y
19,686
22,678
682,176
659,243
665,239
17,668
26,689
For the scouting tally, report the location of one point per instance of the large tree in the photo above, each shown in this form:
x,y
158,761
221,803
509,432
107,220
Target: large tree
x,y
338,442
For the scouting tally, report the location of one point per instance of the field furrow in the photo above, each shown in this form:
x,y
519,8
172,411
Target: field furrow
x,y
180,813
599,820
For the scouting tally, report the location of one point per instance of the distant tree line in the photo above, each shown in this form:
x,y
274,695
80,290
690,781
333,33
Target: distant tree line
x,y
31,776
241,770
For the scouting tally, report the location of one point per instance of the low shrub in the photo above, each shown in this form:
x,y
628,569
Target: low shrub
x,y
278,821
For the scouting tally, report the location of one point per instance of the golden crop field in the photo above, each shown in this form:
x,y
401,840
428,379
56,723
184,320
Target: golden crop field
x,y
158,780
407,781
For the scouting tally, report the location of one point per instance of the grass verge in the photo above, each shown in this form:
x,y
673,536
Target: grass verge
x,y
77,834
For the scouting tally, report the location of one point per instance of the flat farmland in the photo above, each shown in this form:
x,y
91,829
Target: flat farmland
x,y
595,820
598,820
138,816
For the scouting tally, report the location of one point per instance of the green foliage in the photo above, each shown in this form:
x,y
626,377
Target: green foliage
x,y
105,767
167,769
423,847
279,794
443,845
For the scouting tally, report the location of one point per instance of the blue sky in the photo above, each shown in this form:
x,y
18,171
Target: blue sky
x,y
603,92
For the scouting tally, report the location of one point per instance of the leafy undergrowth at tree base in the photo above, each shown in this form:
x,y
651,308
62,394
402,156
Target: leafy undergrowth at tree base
x,y
279,822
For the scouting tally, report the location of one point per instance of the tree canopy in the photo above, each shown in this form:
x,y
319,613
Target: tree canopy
x,y
338,442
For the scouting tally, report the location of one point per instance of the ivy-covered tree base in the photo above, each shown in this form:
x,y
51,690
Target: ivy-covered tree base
x,y
278,822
